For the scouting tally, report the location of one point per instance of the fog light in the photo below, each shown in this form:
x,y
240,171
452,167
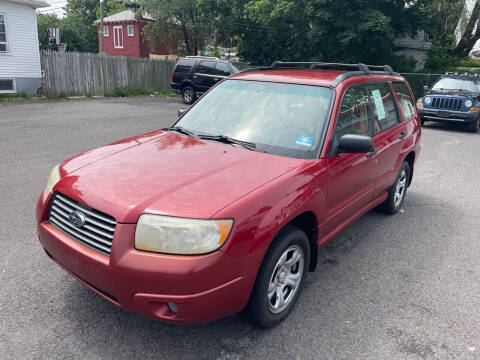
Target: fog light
x,y
172,307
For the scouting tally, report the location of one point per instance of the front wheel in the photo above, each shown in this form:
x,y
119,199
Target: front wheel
x,y
281,277
396,194
473,126
188,95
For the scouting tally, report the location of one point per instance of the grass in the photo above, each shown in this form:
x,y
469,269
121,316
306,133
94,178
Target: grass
x,y
119,92
18,96
125,92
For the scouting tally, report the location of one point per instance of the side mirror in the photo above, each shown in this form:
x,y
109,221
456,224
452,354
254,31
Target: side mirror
x,y
354,144
180,112
425,87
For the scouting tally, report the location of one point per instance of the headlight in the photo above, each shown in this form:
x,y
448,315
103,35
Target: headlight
x,y
468,103
53,179
427,100
172,235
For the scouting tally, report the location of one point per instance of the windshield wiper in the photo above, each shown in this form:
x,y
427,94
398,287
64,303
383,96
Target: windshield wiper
x,y
181,130
228,140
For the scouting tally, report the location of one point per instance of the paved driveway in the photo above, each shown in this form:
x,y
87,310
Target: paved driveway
x,y
406,286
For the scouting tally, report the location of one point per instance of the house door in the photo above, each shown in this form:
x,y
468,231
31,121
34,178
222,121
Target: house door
x,y
118,37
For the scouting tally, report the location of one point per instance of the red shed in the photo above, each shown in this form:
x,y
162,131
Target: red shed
x,y
123,36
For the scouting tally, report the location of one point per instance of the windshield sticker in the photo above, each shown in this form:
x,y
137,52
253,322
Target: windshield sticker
x,y
378,104
304,140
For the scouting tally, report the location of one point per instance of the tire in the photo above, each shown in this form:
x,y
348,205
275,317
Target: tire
x,y
398,191
265,307
422,122
188,95
473,126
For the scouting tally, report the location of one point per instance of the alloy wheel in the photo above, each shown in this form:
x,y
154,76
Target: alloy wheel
x,y
400,188
285,279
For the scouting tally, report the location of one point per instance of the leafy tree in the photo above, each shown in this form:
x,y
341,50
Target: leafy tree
x,y
76,27
174,15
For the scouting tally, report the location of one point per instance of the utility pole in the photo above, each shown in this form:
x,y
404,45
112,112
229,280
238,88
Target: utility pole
x,y
101,26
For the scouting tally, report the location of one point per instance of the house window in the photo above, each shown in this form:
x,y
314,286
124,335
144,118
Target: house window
x,y
130,30
118,37
3,34
105,31
7,86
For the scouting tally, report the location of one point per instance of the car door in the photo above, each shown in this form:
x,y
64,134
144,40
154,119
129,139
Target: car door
x,y
351,182
204,77
389,133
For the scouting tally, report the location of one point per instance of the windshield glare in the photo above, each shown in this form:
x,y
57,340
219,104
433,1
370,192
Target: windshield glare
x,y
456,84
284,119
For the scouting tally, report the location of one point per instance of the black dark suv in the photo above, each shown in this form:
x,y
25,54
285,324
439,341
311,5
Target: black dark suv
x,y
453,98
193,75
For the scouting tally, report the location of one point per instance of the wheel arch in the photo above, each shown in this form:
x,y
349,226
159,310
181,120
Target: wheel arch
x,y
410,159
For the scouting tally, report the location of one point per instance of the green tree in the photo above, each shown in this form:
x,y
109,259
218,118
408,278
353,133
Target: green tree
x,y
327,30
174,15
76,27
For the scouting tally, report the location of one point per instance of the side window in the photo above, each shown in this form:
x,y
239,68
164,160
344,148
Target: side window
x,y
3,34
384,112
406,101
184,66
206,67
353,116
222,69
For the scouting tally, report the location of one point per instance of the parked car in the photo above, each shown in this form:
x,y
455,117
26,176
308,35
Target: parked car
x,y
228,208
193,75
455,98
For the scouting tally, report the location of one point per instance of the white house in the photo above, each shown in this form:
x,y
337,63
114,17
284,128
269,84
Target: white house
x,y
20,69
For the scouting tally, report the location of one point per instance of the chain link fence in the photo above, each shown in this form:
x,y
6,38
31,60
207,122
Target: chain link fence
x,y
418,80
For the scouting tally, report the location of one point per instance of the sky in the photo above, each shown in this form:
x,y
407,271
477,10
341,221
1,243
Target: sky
x,y
55,7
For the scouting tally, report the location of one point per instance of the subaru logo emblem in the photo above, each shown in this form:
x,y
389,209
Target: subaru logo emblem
x,y
77,218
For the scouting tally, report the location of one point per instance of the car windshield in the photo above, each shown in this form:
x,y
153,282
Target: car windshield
x,y
456,84
233,69
279,118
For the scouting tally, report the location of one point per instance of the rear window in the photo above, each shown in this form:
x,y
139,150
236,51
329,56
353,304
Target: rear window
x,y
406,100
184,65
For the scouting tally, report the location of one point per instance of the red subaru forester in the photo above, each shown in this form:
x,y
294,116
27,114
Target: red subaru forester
x,y
228,208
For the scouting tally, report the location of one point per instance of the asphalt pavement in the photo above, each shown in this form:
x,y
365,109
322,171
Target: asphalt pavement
x,y
389,287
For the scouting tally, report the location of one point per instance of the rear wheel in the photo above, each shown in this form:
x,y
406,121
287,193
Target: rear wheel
x,y
188,95
396,194
473,126
281,278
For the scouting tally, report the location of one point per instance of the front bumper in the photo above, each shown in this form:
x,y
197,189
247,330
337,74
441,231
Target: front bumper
x,y
447,115
204,288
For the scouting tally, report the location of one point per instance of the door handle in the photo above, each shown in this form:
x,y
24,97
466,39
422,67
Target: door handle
x,y
402,135
371,153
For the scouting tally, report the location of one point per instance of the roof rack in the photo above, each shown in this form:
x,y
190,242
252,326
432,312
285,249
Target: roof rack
x,y
201,57
360,69
465,76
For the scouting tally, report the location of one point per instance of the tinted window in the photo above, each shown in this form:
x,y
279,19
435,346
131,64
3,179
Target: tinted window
x,y
222,69
184,65
207,67
382,106
280,118
353,116
406,100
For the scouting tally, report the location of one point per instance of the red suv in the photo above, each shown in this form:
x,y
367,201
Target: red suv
x,y
229,207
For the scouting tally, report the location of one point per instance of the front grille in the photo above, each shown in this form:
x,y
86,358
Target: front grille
x,y
96,232
447,103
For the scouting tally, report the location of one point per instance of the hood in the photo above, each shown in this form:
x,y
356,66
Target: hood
x,y
166,173
460,93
